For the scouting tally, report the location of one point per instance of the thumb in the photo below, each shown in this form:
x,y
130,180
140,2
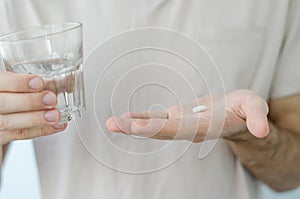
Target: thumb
x,y
255,111
257,123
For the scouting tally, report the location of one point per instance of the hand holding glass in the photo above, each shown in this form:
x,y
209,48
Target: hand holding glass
x,y
54,52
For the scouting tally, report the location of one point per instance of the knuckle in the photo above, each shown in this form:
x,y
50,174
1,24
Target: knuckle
x,y
34,101
23,134
11,81
45,131
40,120
18,84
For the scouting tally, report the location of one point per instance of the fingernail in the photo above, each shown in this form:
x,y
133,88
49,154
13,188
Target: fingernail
x,y
35,83
59,126
49,99
51,116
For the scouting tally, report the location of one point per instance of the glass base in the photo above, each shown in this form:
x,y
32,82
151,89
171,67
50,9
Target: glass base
x,y
68,116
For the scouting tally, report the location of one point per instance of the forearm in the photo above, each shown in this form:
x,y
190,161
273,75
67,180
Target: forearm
x,y
274,160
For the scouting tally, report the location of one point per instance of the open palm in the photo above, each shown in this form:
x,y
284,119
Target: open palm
x,y
237,111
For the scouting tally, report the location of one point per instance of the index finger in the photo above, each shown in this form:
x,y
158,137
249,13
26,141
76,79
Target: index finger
x,y
155,128
146,115
16,82
162,129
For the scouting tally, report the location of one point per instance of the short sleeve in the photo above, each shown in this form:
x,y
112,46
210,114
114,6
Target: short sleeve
x,y
287,78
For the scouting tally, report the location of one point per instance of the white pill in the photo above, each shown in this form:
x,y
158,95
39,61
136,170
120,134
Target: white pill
x,y
200,108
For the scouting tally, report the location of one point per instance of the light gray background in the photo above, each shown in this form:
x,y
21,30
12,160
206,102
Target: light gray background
x,y
20,178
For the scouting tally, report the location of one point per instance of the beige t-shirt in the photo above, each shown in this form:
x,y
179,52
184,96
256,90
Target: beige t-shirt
x,y
255,44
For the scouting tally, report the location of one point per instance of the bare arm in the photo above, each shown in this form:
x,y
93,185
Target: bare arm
x,y
275,159
270,150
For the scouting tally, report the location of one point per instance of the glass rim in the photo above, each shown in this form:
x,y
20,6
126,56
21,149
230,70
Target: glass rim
x,y
74,23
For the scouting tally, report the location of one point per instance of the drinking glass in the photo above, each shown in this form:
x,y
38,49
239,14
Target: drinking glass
x,y
53,52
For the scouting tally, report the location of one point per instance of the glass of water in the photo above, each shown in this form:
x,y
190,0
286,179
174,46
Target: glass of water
x,y
54,52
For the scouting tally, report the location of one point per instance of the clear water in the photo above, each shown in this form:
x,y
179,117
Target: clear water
x,y
62,77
